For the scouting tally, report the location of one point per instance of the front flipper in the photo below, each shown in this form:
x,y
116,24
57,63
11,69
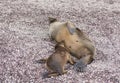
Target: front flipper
x,y
53,74
72,61
82,35
71,28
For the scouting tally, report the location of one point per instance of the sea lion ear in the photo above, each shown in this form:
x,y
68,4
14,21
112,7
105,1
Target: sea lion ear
x,y
71,27
51,19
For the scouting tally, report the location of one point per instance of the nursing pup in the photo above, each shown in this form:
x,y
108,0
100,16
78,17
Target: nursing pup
x,y
76,41
57,61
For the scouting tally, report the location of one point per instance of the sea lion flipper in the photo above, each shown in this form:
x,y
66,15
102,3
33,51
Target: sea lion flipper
x,y
80,32
41,61
80,66
82,35
71,28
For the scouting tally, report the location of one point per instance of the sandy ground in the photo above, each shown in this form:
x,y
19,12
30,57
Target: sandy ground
x,y
24,39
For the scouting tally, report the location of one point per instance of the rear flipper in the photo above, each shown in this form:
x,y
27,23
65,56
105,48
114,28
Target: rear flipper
x,y
41,61
81,65
53,74
48,75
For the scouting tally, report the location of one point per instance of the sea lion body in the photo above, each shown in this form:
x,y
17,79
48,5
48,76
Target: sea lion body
x,y
77,42
56,62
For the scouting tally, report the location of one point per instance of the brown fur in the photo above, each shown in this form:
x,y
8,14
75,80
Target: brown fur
x,y
56,62
78,44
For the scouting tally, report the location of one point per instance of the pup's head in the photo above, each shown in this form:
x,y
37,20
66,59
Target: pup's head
x,y
52,20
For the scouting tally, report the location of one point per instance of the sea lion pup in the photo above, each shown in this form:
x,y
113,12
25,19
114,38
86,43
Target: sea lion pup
x,y
75,40
56,62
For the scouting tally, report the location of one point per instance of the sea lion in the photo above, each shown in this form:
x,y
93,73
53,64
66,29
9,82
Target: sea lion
x,y
56,62
75,40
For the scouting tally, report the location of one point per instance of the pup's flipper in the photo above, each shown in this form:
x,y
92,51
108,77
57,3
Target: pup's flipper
x,y
53,74
41,61
71,61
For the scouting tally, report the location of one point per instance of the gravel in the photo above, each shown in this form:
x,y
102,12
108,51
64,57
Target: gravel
x,y
24,39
